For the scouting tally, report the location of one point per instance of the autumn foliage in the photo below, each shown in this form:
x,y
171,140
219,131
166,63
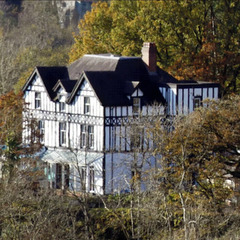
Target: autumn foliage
x,y
195,39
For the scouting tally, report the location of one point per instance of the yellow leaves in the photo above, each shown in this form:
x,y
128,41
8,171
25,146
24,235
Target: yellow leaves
x,y
94,32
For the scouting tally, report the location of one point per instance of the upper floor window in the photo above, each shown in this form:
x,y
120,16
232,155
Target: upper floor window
x,y
87,136
62,133
62,106
90,136
41,127
37,100
136,106
86,105
197,102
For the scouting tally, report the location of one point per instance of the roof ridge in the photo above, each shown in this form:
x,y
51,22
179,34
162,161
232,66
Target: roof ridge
x,y
107,55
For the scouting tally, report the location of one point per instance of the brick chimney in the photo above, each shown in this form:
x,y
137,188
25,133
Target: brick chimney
x,y
149,55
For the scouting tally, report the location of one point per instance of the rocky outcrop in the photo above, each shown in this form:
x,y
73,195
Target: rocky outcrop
x,y
70,12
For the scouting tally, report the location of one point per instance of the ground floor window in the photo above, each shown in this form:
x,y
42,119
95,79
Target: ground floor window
x,y
62,176
66,176
91,178
83,178
58,176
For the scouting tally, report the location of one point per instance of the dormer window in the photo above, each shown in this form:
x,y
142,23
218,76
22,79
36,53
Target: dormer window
x,y
62,106
197,102
136,106
86,105
37,100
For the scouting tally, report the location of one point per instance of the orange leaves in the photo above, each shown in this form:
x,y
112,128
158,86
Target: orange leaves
x,y
11,106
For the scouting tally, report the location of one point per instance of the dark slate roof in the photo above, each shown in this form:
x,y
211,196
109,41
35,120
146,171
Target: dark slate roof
x,y
109,88
49,76
114,79
67,84
92,63
165,77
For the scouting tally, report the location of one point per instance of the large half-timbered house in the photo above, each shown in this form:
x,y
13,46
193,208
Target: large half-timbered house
x,y
81,109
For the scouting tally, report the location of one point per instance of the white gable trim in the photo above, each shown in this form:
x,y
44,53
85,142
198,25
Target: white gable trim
x,y
76,88
30,79
137,93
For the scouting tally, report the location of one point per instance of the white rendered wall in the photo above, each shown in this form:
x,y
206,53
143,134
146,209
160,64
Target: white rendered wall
x,y
119,168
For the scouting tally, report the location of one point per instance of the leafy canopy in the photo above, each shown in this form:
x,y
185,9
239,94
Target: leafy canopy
x,y
194,39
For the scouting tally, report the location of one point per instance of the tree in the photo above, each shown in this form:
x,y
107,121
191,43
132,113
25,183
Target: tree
x,y
194,39
94,32
13,152
197,157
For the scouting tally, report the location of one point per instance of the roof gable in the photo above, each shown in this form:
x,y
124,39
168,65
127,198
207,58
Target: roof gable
x,y
49,77
66,84
78,86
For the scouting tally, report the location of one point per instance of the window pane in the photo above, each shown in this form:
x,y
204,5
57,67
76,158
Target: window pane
x,y
86,105
136,106
62,107
83,136
58,176
90,136
91,175
66,175
41,129
37,99
83,178
197,102
87,136
62,134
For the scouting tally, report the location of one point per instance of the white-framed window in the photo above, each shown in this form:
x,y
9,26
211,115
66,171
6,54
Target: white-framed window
x,y
136,106
197,102
41,128
62,133
83,136
90,136
37,100
87,136
91,178
86,105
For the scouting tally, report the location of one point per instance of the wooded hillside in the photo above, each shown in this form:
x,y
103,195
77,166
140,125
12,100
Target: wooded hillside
x,y
30,35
